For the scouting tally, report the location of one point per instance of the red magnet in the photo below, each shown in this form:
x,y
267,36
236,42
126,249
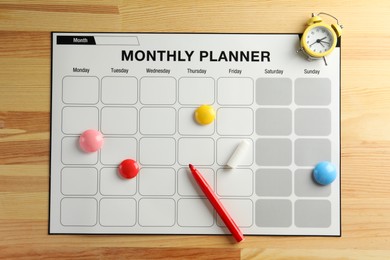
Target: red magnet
x,y
128,168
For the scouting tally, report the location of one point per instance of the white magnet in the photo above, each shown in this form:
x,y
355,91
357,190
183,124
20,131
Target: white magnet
x,y
238,154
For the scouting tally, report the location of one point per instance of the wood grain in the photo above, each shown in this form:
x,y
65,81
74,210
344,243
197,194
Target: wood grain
x,y
25,28
123,252
73,8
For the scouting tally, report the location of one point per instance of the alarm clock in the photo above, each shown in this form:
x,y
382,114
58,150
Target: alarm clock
x,y
319,38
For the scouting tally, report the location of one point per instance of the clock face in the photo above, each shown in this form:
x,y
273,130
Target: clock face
x,y
319,39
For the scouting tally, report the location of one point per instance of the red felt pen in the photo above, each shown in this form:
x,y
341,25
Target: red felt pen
x,y
212,197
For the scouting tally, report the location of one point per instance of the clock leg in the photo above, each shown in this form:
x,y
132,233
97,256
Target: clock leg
x,y
326,64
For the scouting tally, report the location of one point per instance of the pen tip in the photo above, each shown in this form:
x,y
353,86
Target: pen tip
x,y
191,166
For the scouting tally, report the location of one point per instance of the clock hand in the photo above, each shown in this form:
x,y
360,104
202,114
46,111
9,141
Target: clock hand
x,y
319,41
322,40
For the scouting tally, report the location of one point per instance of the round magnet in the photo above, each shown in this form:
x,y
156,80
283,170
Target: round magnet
x,y
91,140
324,173
204,115
128,168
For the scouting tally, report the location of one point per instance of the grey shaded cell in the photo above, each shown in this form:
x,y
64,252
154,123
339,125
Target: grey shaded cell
x,y
273,213
273,91
273,182
305,186
309,152
312,91
315,122
312,213
273,121
273,152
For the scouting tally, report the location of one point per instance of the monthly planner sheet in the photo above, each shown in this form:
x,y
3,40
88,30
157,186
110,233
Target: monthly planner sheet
x,y
141,90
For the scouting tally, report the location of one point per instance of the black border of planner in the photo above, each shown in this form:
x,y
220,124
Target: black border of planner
x,y
211,33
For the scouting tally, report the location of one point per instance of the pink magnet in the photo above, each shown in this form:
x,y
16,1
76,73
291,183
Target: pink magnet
x,y
128,168
91,140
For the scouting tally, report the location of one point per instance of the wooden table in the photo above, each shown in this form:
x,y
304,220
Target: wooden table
x,y
25,28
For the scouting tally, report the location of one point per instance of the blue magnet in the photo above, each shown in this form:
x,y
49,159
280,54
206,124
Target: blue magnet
x,y
324,173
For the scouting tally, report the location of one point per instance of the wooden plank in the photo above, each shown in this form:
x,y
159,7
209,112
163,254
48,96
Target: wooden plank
x,y
120,253
61,8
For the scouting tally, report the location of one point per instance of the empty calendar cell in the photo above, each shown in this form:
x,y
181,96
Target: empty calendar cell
x,y
157,212
235,121
235,91
273,121
119,90
76,120
235,182
158,90
157,121
204,216
79,181
273,182
312,91
196,91
314,122
274,91
312,213
79,212
80,90
157,151
157,181
273,152
309,152
273,213
119,120
119,212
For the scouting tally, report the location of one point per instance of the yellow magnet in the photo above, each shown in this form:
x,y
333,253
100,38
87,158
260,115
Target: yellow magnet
x,y
205,114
